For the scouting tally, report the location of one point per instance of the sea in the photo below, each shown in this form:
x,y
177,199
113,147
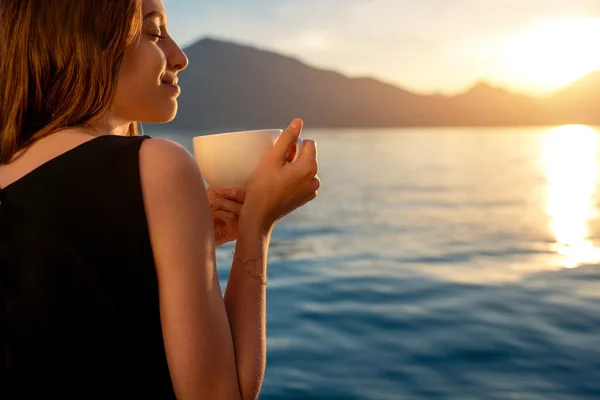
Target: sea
x,y
438,263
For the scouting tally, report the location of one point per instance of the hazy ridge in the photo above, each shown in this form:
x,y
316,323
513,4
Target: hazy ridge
x,y
230,86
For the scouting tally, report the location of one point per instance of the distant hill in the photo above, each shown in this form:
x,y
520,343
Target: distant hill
x,y
578,102
228,87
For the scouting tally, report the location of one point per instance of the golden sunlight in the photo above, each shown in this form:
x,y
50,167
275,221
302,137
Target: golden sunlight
x,y
570,162
554,54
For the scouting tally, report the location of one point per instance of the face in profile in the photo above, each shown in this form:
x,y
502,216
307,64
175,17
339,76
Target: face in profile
x,y
147,88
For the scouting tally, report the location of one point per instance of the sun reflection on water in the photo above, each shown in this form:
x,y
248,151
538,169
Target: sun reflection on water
x,y
570,162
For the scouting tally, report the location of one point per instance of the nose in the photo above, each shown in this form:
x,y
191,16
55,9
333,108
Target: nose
x,y
177,59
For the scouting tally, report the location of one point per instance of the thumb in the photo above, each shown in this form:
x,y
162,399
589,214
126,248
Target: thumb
x,y
287,139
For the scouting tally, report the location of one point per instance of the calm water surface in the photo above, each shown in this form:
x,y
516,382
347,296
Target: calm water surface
x,y
439,264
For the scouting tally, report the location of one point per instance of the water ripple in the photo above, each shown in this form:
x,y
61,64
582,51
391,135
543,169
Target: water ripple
x,y
427,269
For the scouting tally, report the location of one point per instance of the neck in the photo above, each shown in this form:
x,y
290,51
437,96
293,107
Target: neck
x,y
101,128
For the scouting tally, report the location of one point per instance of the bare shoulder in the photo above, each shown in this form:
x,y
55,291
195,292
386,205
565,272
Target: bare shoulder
x,y
163,158
174,194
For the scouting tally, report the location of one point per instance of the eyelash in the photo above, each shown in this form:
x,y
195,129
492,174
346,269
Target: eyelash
x,y
157,36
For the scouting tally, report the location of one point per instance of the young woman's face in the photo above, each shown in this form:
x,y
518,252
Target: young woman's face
x,y
147,90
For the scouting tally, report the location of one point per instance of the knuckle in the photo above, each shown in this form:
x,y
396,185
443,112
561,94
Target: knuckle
x,y
316,184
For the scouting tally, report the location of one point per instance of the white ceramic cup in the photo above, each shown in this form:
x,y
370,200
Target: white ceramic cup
x,y
230,159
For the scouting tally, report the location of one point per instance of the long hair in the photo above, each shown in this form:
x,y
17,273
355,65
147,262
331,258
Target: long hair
x,y
59,65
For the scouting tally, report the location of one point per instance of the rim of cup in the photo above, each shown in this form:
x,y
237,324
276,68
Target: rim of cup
x,y
239,132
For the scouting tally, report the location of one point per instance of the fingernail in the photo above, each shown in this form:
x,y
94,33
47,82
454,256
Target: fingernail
x,y
295,124
212,203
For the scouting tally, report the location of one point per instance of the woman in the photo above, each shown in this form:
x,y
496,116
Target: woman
x,y
108,280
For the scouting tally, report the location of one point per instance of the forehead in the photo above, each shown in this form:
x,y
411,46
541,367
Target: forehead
x,y
152,5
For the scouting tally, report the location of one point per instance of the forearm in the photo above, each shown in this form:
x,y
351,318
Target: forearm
x,y
245,301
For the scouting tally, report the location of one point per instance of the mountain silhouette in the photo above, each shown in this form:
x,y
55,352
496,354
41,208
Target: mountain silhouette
x,y
578,102
228,86
486,105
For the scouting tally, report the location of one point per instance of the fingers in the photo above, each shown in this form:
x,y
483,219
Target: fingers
x,y
228,217
315,185
212,194
309,151
313,190
308,159
226,205
291,154
286,140
235,194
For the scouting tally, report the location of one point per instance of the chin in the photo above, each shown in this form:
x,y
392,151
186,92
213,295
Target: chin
x,y
162,116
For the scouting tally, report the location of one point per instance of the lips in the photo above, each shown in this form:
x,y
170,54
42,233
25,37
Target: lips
x,y
169,80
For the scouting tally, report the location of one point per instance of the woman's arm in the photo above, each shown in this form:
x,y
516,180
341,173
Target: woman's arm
x,y
216,348
246,302
276,188
196,331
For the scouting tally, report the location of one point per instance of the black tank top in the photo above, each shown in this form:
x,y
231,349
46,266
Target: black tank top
x,y
79,313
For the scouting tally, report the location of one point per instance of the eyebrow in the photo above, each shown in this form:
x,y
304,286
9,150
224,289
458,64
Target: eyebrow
x,y
156,14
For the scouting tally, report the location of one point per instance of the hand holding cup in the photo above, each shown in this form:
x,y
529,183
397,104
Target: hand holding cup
x,y
278,187
229,159
277,169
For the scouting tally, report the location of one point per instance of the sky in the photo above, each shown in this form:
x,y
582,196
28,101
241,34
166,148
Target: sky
x,y
427,46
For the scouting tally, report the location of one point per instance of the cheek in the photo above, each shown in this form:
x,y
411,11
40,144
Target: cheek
x,y
139,95
141,68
